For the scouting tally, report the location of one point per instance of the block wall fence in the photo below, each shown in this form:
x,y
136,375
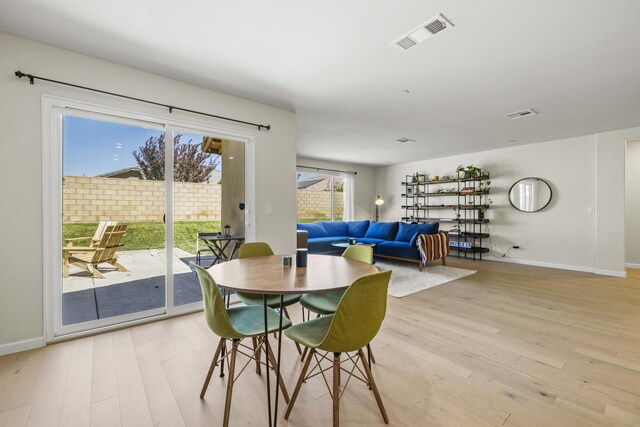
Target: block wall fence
x,y
92,199
317,204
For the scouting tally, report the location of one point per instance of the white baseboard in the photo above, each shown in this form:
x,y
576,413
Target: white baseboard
x,y
632,265
614,273
570,267
18,346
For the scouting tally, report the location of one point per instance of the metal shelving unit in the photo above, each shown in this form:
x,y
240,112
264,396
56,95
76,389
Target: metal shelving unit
x,y
469,225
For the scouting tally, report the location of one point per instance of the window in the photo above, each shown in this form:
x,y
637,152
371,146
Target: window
x,y
320,197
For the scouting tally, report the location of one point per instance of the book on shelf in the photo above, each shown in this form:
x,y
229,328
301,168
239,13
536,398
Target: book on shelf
x,y
464,245
467,191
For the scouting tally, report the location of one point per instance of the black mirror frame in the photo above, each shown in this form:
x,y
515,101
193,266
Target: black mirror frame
x,y
537,179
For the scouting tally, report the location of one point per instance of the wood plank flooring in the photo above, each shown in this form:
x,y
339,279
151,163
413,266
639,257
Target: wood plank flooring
x,y
508,346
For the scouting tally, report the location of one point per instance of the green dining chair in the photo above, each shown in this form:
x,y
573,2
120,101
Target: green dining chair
x,y
235,324
326,303
354,324
255,249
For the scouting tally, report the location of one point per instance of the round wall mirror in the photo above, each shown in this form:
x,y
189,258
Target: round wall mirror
x,y
530,194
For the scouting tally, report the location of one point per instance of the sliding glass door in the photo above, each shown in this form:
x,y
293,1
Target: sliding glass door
x,y
113,234
208,204
135,199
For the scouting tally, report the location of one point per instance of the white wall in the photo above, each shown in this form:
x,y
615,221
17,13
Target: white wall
x,y
632,203
583,172
21,306
364,182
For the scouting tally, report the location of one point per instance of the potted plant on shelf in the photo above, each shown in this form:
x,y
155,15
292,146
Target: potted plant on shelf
x,y
469,171
484,206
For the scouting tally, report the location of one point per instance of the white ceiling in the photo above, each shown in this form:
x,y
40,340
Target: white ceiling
x,y
576,62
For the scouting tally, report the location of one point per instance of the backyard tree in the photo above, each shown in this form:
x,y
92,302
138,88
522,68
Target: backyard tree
x,y
189,162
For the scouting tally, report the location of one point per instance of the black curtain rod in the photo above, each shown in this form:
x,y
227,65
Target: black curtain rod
x,y
32,79
325,169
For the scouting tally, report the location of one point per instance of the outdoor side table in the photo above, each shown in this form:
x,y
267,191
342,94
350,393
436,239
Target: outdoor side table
x,y
217,244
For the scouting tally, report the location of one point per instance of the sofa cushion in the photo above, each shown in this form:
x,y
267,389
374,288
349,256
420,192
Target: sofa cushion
x,y
406,231
431,228
382,230
335,228
398,250
357,228
314,230
330,239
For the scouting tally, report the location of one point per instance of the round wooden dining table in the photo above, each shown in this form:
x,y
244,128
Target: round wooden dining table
x,y
265,275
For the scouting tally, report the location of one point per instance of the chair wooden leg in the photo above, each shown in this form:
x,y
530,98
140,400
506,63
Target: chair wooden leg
x,y
93,271
230,378
286,313
370,355
224,351
336,389
420,266
374,387
65,266
294,396
274,364
214,362
256,354
444,260
117,265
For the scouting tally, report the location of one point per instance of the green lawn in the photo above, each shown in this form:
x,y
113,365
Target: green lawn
x,y
149,235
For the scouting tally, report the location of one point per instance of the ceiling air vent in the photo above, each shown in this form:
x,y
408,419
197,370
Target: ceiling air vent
x,y
404,140
521,113
422,32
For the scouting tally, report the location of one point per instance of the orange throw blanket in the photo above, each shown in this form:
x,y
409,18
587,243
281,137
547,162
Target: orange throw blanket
x,y
433,246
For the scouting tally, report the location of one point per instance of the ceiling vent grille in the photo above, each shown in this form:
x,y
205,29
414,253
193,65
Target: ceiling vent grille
x,y
520,114
404,140
422,32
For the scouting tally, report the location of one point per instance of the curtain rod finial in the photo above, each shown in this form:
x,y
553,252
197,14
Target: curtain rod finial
x,y
20,75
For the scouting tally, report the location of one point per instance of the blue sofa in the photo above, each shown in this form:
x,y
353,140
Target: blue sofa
x,y
395,240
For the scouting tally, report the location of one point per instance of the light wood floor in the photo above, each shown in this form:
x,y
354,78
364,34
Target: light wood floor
x,y
510,345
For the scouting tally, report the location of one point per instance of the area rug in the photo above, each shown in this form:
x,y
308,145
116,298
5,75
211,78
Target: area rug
x,y
406,279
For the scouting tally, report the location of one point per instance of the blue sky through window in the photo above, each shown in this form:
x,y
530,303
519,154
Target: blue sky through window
x,y
94,147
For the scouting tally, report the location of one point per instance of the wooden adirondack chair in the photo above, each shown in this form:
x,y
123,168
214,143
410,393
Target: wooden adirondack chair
x,y
97,236
103,251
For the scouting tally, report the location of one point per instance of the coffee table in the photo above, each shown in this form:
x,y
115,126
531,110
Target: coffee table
x,y
345,245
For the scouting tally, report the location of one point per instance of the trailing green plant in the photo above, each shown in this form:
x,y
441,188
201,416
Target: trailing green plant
x,y
484,186
457,211
446,190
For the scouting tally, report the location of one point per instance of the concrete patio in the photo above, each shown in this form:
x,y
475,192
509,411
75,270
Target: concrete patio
x,y
141,288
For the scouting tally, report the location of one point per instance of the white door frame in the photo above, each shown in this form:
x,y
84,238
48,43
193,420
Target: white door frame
x,y
52,109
